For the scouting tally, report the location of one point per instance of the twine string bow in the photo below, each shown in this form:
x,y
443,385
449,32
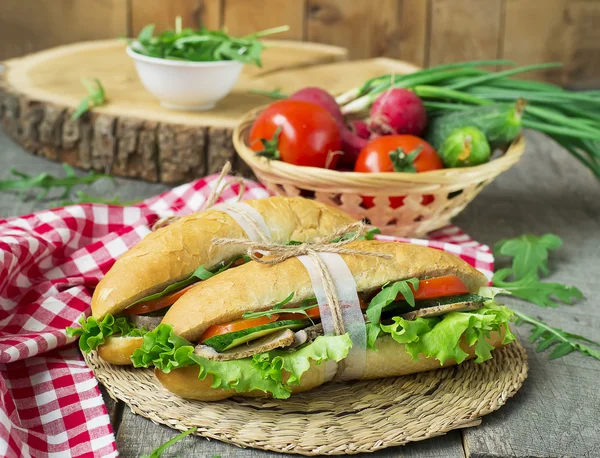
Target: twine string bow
x,y
220,184
273,253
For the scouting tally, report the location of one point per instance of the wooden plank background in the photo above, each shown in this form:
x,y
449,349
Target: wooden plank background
x,y
425,32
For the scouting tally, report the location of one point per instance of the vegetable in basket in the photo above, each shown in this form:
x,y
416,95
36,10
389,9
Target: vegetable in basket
x,y
397,153
398,111
501,123
464,147
297,132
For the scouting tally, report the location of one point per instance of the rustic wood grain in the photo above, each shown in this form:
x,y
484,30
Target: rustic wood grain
x,y
162,14
414,33
365,30
464,30
242,17
583,49
544,39
556,412
211,14
30,25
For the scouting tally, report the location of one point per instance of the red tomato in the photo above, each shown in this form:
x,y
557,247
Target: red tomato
x,y
397,153
234,326
308,134
448,285
156,304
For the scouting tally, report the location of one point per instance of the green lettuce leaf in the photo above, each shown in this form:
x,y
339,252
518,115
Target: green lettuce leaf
x,y
94,332
385,297
438,337
167,351
323,348
163,349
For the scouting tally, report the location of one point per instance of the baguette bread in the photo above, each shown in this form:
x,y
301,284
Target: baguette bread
x,y
391,360
174,252
256,287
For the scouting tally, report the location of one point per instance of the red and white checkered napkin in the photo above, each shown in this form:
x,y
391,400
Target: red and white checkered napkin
x,y
50,262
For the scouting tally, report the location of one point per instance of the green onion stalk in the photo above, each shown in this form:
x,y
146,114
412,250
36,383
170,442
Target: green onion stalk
x,y
571,118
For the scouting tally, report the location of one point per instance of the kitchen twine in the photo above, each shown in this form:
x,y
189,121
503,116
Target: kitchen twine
x,y
271,253
251,222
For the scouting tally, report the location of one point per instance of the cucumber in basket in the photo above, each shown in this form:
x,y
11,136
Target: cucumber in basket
x,y
464,147
500,122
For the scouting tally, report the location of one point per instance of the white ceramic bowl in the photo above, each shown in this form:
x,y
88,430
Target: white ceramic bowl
x,y
182,85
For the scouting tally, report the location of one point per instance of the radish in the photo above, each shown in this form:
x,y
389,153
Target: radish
x,y
360,128
322,98
351,144
398,111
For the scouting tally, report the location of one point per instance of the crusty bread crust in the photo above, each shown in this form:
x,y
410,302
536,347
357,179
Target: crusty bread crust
x,y
117,350
391,360
255,287
172,253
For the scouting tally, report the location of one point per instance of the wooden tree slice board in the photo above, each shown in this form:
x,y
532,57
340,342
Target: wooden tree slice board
x,y
133,135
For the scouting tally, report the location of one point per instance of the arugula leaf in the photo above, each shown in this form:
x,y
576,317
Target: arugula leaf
x,y
384,298
201,45
46,182
94,332
157,453
84,198
562,342
198,275
96,97
439,337
167,351
277,308
529,253
532,290
146,33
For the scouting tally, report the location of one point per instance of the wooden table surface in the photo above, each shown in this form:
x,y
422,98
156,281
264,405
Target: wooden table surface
x,y
556,413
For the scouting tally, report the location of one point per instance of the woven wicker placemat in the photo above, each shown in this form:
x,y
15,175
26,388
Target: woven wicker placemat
x,y
334,419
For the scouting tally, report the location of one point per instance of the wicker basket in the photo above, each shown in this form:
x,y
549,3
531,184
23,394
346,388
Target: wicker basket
x,y
452,189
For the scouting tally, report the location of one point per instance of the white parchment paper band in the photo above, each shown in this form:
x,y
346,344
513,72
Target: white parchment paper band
x,y
354,323
248,219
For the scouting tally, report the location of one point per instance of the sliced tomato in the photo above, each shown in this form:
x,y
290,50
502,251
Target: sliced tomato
x,y
156,304
448,285
234,326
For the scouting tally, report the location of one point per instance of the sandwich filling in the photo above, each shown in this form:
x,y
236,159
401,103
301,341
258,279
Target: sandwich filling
x,y
143,315
270,350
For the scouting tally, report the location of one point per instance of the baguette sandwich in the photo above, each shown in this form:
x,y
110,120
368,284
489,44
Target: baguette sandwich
x,y
259,329
144,282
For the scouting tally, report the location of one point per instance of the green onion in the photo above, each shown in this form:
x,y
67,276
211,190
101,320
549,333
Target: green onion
x,y
570,118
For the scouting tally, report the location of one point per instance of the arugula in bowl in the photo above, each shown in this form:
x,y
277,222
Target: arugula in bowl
x,y
201,45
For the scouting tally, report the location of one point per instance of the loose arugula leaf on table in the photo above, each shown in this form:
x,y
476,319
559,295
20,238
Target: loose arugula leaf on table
x,y
529,253
157,453
385,297
47,182
535,291
561,342
84,198
96,97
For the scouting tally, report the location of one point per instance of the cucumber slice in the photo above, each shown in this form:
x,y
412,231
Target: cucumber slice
x,y
403,306
233,339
